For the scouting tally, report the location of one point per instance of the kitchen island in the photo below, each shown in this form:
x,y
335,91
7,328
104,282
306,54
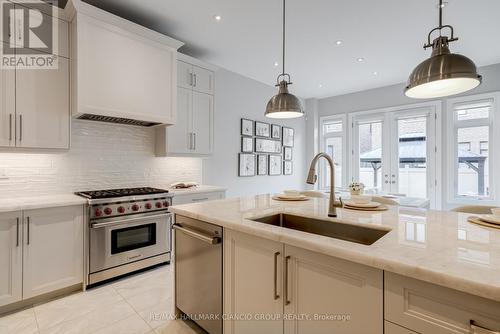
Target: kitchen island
x,y
429,272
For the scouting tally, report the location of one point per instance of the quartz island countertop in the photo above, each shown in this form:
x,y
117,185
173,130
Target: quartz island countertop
x,y
439,247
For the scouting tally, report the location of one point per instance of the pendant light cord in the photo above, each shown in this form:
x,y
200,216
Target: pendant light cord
x,y
440,15
284,14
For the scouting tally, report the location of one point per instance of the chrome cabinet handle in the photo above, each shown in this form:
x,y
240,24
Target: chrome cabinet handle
x,y
194,141
197,235
20,127
28,229
276,295
199,199
10,127
195,81
476,329
191,79
17,232
287,301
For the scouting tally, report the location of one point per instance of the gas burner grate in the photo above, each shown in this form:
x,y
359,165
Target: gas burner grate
x,y
110,193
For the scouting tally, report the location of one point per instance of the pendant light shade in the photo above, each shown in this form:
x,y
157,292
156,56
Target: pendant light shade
x,y
444,73
284,105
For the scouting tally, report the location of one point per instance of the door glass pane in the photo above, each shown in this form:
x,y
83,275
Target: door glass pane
x,y
130,238
334,149
370,155
473,171
412,142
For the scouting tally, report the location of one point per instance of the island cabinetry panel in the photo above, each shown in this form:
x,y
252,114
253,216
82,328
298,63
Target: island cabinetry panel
x,y
391,328
297,290
428,308
11,257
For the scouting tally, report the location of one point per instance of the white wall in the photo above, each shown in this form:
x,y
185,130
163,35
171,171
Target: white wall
x,y
102,156
236,97
385,97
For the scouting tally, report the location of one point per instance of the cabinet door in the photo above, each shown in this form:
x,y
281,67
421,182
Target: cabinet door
x,y
252,284
203,106
11,257
348,297
203,80
179,138
200,197
42,105
7,106
184,75
53,249
391,328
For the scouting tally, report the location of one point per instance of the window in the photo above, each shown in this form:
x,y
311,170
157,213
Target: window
x,y
470,161
332,143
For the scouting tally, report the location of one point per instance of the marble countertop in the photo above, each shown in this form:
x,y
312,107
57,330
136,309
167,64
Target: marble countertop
x,y
196,190
435,246
39,202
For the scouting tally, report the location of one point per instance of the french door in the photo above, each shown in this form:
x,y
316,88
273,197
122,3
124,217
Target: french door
x,y
394,151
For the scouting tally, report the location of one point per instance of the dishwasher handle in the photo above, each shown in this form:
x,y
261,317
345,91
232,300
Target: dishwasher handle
x,y
197,235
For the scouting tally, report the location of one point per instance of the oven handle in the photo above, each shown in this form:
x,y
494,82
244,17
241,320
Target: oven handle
x,y
124,221
199,236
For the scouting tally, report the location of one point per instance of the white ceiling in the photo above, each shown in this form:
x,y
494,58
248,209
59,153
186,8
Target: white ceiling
x,y
388,34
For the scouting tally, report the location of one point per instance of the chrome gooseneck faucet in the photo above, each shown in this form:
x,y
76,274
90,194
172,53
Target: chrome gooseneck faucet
x,y
312,178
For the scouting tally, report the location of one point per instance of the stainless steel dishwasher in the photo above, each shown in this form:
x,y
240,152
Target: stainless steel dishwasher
x,y
198,272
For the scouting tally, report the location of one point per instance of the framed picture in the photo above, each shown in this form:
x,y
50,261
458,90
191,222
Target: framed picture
x,y
288,137
247,127
275,164
262,129
287,153
275,131
267,146
287,168
246,164
246,144
262,164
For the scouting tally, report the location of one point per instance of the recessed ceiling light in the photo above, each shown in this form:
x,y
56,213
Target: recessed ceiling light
x,y
339,42
276,64
217,17
360,59
375,73
320,86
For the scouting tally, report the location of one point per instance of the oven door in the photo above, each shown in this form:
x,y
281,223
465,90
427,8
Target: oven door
x,y
118,241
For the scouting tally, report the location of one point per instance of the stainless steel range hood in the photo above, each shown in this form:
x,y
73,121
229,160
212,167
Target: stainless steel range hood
x,y
116,120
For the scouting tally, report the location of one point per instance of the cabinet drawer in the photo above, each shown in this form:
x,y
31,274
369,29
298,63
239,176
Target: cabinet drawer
x,y
193,198
428,308
391,328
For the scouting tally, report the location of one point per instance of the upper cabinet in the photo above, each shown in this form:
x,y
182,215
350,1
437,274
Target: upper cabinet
x,y
121,69
192,133
35,102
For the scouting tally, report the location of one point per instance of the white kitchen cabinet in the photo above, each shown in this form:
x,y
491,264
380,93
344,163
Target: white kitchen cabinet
x,y
11,257
202,123
198,197
252,283
184,75
7,106
43,107
427,308
203,80
53,249
180,135
321,285
123,70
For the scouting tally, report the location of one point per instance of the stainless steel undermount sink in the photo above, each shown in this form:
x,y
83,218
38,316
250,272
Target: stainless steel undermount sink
x,y
328,228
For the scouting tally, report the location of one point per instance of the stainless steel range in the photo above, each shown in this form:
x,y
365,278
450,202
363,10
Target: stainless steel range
x,y
128,229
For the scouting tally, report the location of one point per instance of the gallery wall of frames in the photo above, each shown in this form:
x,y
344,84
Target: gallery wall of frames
x,y
266,149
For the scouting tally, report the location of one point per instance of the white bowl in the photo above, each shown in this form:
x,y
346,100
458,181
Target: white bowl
x,y
495,212
291,192
361,199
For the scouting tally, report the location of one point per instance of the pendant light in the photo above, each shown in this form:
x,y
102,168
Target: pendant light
x,y
444,73
284,104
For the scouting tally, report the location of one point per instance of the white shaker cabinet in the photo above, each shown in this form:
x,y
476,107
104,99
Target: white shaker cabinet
x,y
53,249
7,106
202,116
203,80
327,287
43,107
11,257
180,135
252,283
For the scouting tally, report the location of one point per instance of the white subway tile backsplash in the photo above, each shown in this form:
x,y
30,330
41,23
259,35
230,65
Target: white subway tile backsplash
x,y
101,156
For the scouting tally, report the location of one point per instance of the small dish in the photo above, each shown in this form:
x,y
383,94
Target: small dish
x,y
370,205
490,219
291,192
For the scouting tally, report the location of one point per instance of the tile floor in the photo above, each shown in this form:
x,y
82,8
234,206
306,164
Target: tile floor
x,y
138,304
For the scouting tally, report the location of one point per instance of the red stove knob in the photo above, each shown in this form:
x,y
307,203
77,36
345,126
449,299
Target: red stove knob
x,y
108,211
148,206
165,204
121,209
135,207
158,205
98,212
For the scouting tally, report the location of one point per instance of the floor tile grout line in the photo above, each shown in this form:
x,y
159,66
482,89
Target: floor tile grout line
x,y
133,308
